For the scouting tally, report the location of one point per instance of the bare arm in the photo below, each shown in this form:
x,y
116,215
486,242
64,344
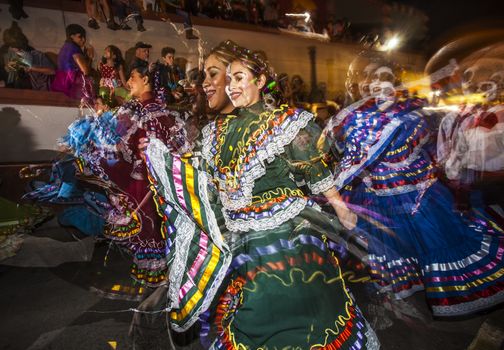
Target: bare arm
x,y
83,64
122,76
346,217
43,70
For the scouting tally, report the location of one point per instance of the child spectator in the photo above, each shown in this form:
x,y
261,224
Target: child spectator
x,y
113,80
74,66
170,75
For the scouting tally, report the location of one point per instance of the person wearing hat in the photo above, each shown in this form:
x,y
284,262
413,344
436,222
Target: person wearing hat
x,y
142,51
74,65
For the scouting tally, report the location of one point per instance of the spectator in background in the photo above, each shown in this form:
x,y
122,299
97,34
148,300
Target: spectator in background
x,y
217,9
339,30
285,88
188,8
107,13
125,9
170,75
74,66
16,9
26,68
142,53
112,77
298,87
270,13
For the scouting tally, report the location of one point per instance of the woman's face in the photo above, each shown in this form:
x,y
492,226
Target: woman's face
x,y
78,39
243,88
214,85
137,83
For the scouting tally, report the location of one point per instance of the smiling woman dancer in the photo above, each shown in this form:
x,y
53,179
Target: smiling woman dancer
x,y
269,278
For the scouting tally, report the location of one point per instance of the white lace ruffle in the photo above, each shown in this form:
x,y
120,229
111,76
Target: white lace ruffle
x,y
185,231
207,139
419,187
178,266
278,218
372,342
321,186
468,307
345,112
272,149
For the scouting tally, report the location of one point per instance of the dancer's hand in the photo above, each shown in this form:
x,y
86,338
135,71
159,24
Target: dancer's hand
x,y
347,218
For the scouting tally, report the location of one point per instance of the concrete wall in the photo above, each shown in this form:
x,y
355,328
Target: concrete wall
x,y
287,53
29,133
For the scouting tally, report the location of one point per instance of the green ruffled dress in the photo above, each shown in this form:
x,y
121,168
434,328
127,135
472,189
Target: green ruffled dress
x,y
277,283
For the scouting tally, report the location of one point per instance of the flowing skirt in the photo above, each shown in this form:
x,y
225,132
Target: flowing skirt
x,y
285,290
423,243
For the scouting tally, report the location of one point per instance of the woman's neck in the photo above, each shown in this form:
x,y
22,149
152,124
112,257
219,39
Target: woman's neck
x,y
146,96
228,109
256,106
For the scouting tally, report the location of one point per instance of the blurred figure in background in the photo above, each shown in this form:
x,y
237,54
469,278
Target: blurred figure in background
x,y
471,140
91,10
125,9
26,67
388,174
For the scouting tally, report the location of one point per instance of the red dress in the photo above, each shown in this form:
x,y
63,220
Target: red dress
x,y
134,222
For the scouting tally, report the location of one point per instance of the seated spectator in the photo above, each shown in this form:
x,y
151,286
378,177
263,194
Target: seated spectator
x,y
240,11
170,75
217,9
112,78
298,88
107,13
270,13
26,68
141,58
285,89
125,9
74,66
16,9
188,8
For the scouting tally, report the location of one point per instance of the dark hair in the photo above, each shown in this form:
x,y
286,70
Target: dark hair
x,y
257,62
14,37
118,60
143,69
166,50
73,29
224,52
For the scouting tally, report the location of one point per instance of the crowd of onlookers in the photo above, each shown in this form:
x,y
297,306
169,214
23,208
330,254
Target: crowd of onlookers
x,y
126,14
78,71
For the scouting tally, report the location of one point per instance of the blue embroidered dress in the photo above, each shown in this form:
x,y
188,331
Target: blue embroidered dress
x,y
416,239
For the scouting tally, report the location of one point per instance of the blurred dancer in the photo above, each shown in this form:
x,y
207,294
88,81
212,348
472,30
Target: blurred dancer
x,y
388,175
